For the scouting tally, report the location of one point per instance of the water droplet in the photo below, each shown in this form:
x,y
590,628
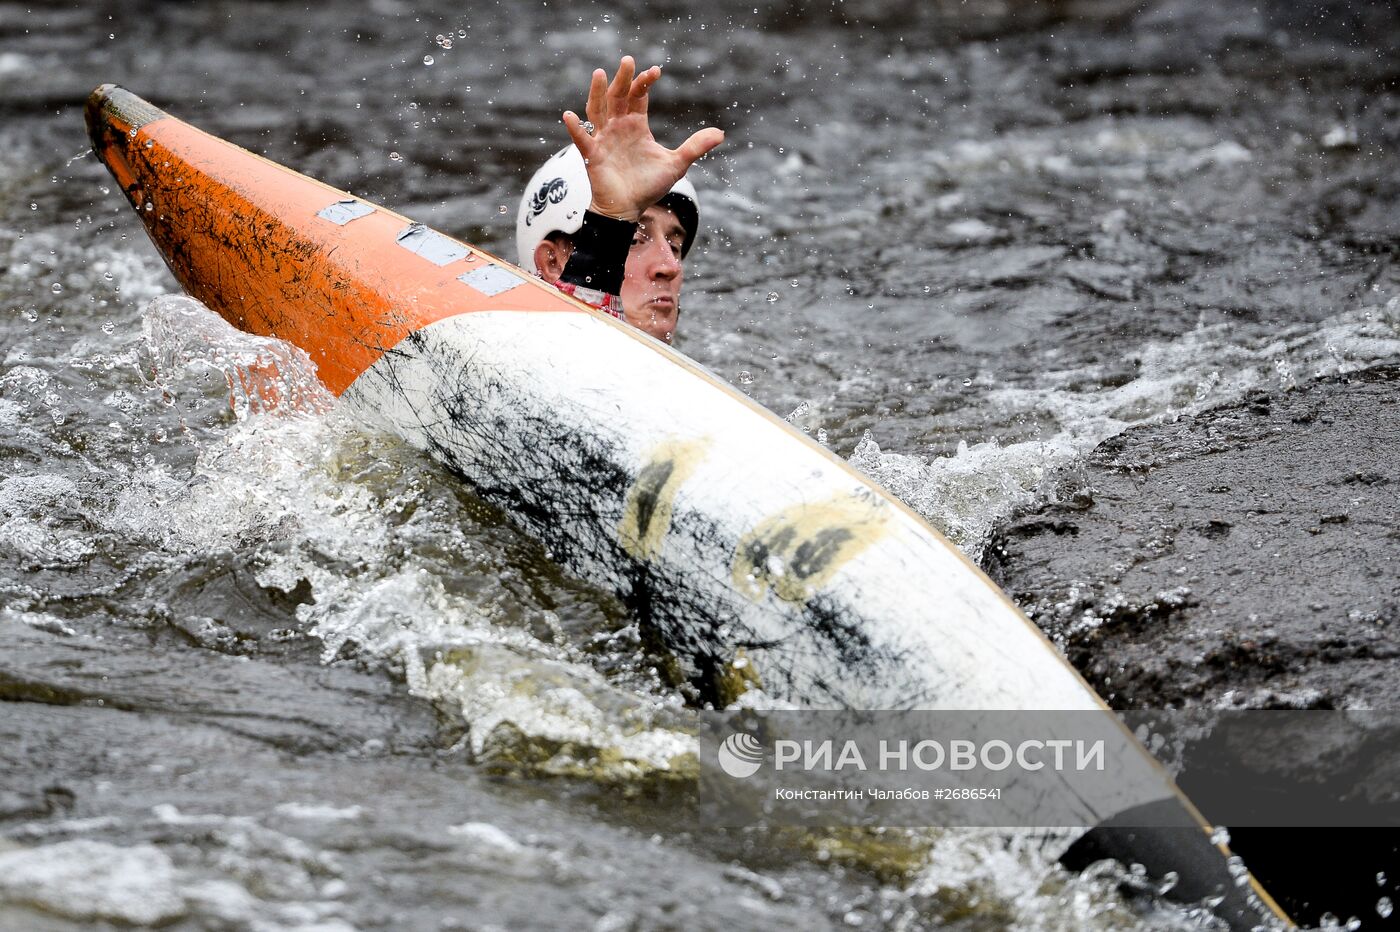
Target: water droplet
x,y
1240,873
772,297
56,288
967,383
105,190
795,283
150,143
111,35
150,206
395,157
108,276
1384,907
108,327
745,377
1220,836
1168,883
607,18
503,210
33,206
427,59
30,314
443,41
1380,879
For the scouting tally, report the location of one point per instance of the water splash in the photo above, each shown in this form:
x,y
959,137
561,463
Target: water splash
x,y
530,706
398,574
968,494
1011,880
264,375
93,881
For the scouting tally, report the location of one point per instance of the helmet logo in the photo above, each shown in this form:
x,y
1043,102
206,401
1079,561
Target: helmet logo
x,y
551,192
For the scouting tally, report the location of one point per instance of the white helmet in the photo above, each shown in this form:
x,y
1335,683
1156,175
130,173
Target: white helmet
x,y
559,193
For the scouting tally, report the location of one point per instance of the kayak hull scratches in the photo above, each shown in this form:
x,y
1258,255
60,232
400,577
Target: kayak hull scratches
x,y
720,528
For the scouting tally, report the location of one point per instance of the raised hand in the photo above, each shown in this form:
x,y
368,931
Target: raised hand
x,y
627,168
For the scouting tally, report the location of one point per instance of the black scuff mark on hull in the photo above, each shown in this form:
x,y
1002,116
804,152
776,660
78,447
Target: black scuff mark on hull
x,y
227,231
836,626
816,553
650,481
567,488
563,487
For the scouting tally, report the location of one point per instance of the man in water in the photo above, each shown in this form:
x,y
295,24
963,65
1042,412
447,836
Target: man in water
x,y
611,218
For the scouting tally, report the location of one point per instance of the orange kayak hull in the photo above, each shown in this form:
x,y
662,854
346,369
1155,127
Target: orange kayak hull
x,y
272,252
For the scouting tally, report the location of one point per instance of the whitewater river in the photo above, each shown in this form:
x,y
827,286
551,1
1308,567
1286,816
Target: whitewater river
x,y
959,246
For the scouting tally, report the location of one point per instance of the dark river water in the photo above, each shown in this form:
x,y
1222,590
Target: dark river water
x,y
960,244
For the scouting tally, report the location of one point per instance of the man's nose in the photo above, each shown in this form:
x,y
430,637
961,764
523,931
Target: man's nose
x,y
667,264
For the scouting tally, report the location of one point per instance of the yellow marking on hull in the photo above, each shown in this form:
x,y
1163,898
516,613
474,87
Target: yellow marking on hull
x,y
797,550
646,515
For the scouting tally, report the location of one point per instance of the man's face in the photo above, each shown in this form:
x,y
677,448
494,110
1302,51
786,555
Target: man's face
x,y
651,284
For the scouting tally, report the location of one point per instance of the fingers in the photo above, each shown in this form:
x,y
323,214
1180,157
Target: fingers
x,y
629,93
700,143
641,85
621,84
625,93
597,98
578,134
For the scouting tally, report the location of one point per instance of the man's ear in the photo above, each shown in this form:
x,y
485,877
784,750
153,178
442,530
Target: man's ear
x,y
551,256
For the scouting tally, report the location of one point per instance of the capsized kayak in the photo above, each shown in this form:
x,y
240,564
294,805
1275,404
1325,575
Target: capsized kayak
x,y
756,557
